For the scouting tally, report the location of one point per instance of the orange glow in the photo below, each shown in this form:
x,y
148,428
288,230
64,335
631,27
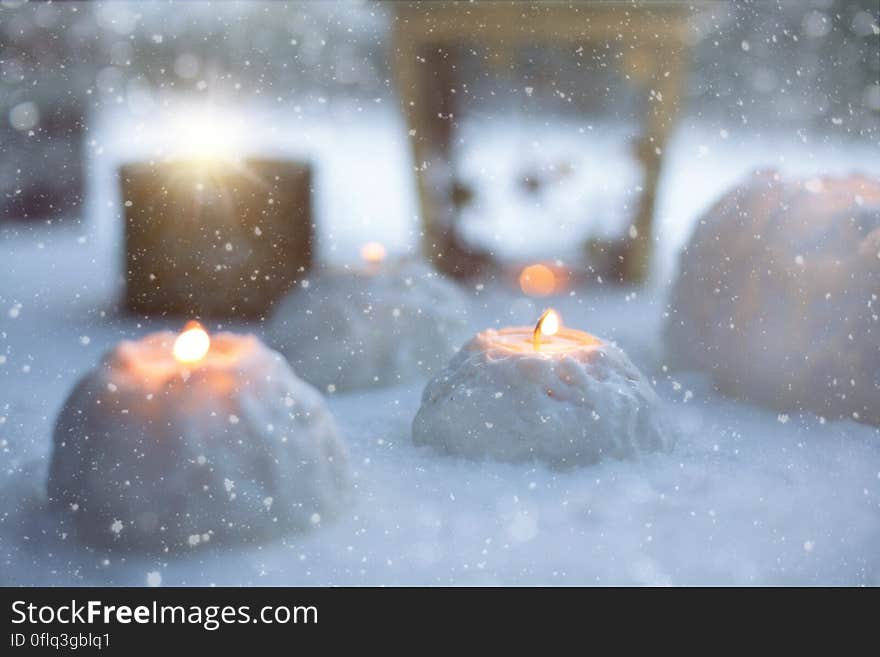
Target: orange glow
x,y
373,253
192,344
548,324
537,280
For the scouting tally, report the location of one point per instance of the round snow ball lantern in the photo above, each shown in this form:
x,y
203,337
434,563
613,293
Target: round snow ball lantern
x,y
548,394
377,324
175,441
779,292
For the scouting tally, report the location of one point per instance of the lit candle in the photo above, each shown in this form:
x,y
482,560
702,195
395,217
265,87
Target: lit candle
x,y
155,360
547,337
192,345
545,393
175,440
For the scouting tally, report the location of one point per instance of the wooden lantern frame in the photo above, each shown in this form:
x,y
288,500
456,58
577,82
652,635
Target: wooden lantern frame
x,y
425,36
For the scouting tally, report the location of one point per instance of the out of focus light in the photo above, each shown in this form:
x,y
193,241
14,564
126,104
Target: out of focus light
x,y
24,116
537,280
373,253
205,134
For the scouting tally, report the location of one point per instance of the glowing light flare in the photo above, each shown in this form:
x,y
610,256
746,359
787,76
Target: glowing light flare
x,y
538,280
373,253
192,344
548,324
205,135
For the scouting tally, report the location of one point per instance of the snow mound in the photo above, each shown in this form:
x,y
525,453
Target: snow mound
x,y
352,329
236,452
777,296
565,410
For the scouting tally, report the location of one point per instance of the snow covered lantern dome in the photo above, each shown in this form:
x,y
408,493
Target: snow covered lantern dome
x,y
546,393
175,440
777,296
376,324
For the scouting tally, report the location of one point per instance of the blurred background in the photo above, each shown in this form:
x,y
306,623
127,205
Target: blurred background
x,y
544,135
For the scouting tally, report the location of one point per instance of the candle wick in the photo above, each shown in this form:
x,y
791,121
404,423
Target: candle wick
x,y
547,316
536,334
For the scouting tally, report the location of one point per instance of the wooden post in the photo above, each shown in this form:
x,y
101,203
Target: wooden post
x,y
426,73
661,84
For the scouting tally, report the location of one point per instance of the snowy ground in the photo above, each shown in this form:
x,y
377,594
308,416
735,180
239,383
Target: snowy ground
x,y
747,497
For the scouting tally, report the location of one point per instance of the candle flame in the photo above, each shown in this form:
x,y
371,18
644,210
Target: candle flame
x,y
192,344
373,253
548,324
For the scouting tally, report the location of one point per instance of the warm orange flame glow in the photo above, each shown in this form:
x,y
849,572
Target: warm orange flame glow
x,y
548,324
537,280
373,253
192,344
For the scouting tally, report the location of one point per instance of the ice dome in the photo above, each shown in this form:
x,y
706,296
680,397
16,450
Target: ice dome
x,y
565,409
358,328
777,296
236,449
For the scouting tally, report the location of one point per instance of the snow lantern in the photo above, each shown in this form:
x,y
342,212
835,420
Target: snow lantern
x,y
174,441
547,393
375,323
777,296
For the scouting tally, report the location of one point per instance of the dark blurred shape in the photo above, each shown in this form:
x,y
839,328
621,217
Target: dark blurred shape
x,y
215,237
533,180
607,258
462,194
42,169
